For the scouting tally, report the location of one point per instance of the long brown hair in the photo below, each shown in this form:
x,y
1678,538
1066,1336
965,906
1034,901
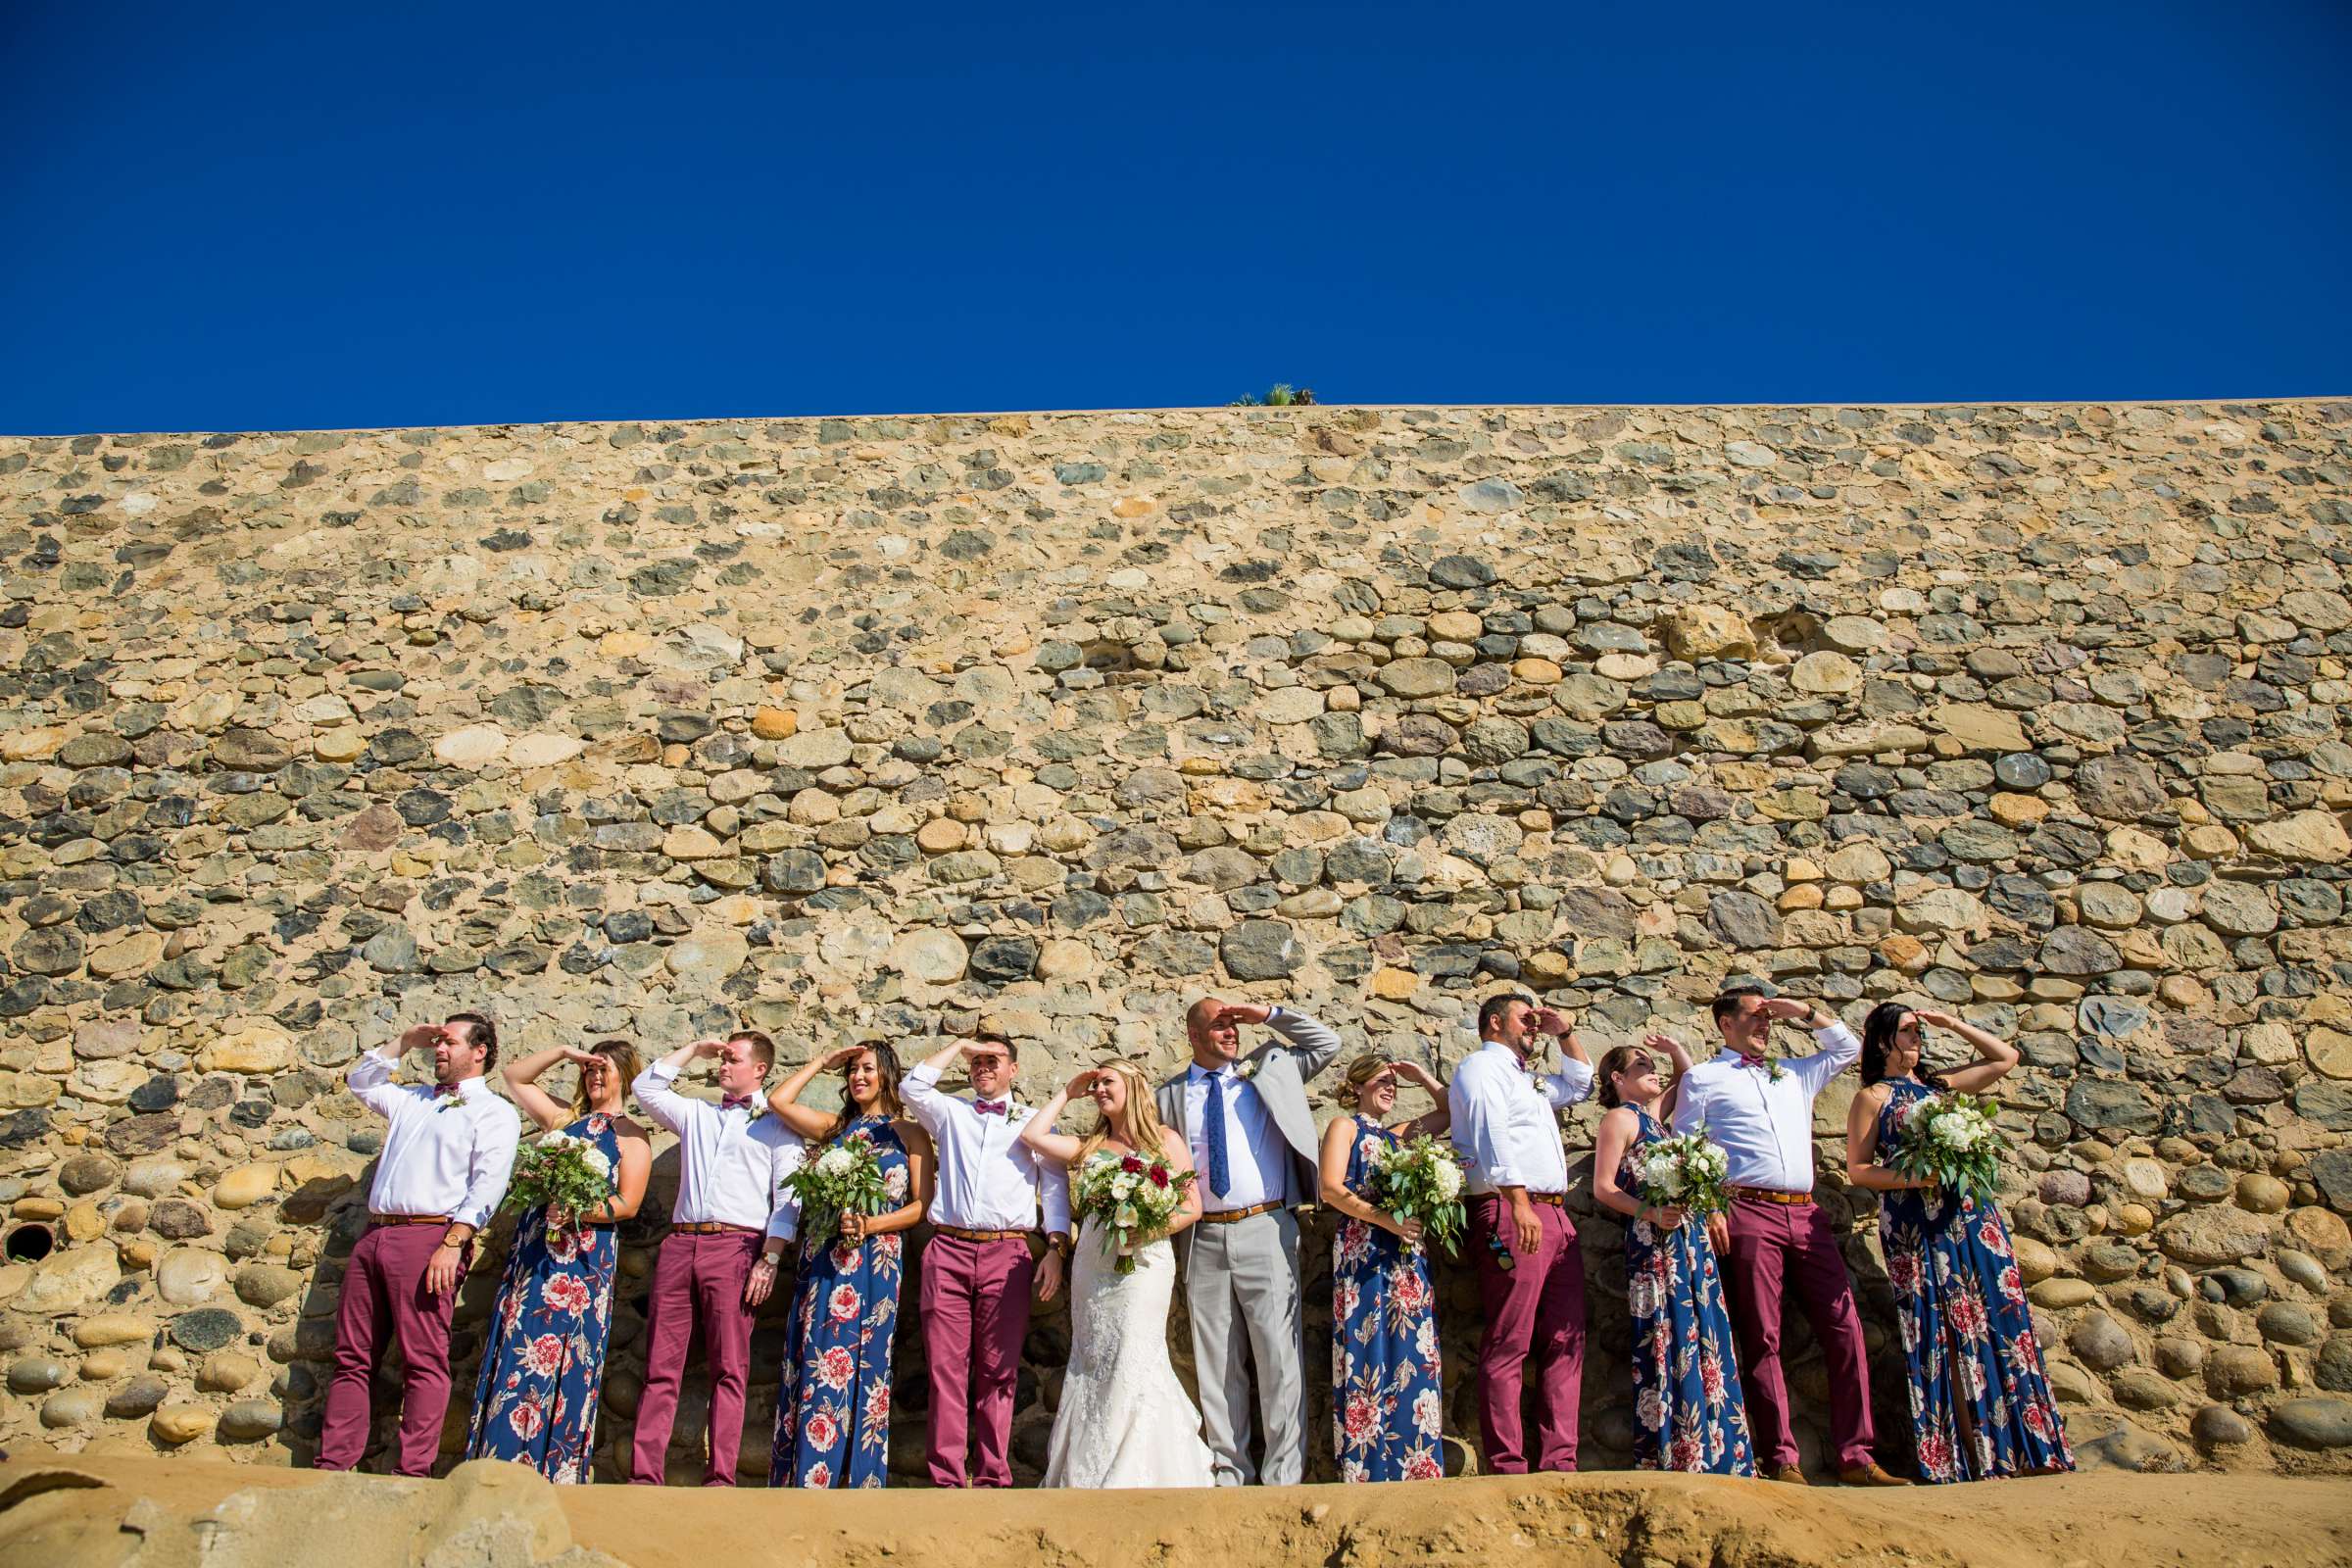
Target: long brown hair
x,y
886,1101
1144,1126
625,1061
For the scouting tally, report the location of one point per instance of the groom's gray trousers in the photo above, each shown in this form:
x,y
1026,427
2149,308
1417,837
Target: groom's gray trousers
x,y
1241,1284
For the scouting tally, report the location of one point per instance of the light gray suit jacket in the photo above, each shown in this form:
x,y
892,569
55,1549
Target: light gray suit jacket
x,y
1280,1072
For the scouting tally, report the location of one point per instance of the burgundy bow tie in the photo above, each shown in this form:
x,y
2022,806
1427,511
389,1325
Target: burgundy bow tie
x,y
730,1101
450,1090
1758,1062
990,1107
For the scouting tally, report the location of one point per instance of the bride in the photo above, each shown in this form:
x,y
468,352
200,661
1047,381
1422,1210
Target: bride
x,y
1124,1419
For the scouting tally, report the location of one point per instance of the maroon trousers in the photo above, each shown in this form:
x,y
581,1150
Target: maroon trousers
x,y
385,1295
975,1303
1536,1307
697,1287
1771,1243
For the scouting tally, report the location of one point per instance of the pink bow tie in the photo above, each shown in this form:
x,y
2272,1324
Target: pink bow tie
x,y
990,1107
730,1101
1758,1062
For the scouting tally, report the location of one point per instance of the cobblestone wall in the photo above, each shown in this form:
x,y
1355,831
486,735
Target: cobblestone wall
x,y
1056,722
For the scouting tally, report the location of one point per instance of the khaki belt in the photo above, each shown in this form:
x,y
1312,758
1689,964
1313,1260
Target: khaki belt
x,y
1770,1194
962,1235
712,1227
1227,1217
408,1219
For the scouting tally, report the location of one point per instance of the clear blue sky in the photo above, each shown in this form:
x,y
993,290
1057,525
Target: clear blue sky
x,y
260,216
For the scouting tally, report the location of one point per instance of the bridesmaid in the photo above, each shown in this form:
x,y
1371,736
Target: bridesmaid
x,y
1383,1325
1688,1413
1980,1399
833,1411
544,1365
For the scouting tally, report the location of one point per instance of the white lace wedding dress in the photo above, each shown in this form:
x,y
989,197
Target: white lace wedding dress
x,y
1124,1419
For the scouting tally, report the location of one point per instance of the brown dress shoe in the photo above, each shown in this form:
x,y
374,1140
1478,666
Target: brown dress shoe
x,y
1869,1475
1790,1474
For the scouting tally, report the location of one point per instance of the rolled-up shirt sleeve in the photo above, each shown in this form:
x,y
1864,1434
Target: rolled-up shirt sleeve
x,y
371,1082
497,1132
662,1102
921,1092
784,1214
1053,1185
1572,1082
1839,1050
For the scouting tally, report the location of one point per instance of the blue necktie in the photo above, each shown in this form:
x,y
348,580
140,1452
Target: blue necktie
x,y
1220,1179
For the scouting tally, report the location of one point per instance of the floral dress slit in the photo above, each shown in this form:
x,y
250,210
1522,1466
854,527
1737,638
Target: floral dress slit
x,y
1980,1397
1384,1331
1688,1412
833,1410
543,1367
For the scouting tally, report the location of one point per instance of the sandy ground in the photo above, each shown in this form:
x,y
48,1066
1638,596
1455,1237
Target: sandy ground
x,y
136,1512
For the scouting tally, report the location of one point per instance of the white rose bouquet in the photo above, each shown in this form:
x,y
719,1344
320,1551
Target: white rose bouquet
x,y
845,1179
1686,1172
1133,1198
1949,1138
1420,1178
566,1175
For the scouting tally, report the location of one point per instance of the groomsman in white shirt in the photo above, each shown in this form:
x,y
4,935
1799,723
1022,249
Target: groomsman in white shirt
x,y
1759,1108
728,1229
1254,1144
1531,1274
977,1268
449,1148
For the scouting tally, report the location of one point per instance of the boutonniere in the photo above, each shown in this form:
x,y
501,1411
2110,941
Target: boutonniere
x,y
1247,1070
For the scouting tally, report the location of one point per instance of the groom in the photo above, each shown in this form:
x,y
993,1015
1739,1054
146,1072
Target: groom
x,y
1254,1144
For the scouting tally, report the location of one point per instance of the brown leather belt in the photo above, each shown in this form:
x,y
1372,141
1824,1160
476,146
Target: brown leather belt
x,y
962,1235
408,1219
1226,1216
1555,1200
712,1227
1772,1195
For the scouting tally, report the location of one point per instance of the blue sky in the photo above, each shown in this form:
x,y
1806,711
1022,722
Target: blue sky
x,y
284,217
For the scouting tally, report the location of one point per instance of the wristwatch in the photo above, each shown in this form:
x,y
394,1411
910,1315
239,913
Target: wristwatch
x,y
1060,1242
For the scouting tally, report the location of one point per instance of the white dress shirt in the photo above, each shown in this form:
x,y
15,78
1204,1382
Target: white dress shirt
x,y
1765,1124
1506,1123
447,1154
988,1179
731,1163
1257,1160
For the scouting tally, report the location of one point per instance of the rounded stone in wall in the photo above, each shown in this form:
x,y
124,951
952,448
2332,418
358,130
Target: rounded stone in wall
x,y
2313,1423
2238,909
189,1275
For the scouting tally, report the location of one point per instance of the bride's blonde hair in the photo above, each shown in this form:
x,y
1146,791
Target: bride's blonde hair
x,y
1144,1126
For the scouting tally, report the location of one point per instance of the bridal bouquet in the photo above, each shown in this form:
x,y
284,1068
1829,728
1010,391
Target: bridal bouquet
x,y
845,1179
568,1175
1133,1198
1949,1138
1420,1180
1686,1171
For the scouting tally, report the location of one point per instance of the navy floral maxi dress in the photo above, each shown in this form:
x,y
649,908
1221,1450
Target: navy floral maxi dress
x,y
1688,1413
1384,1331
544,1365
833,1410
1979,1397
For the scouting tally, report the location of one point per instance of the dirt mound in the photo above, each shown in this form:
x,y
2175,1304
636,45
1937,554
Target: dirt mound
x,y
139,1513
